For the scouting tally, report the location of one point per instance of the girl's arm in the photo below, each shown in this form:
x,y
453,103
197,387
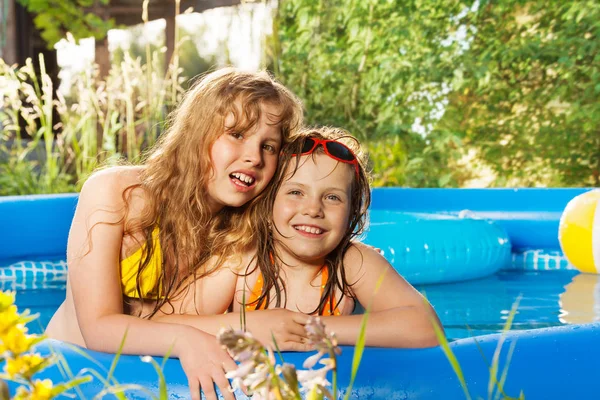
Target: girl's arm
x,y
93,255
399,315
284,327
204,302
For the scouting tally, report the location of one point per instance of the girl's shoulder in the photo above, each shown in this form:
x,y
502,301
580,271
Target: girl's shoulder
x,y
361,258
119,177
109,188
358,252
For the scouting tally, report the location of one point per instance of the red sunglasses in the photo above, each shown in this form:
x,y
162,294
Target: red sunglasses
x,y
334,149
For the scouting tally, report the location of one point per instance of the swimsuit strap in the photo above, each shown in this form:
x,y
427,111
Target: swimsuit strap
x,y
130,266
331,299
256,291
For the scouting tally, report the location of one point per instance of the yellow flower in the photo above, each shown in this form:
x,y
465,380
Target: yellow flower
x,y
9,317
42,390
16,340
6,299
24,366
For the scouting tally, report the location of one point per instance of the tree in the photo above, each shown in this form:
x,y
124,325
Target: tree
x,y
526,93
54,18
374,68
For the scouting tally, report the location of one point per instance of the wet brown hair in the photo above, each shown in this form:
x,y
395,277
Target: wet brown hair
x,y
178,168
267,259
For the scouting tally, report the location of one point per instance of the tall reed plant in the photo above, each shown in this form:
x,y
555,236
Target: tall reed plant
x,y
50,142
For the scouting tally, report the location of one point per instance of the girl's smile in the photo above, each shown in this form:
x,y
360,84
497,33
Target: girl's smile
x,y
310,231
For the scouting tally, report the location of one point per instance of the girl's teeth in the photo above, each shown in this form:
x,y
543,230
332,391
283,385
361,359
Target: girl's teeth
x,y
310,229
243,177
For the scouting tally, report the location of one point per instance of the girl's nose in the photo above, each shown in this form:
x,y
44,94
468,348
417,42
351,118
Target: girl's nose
x,y
253,154
313,208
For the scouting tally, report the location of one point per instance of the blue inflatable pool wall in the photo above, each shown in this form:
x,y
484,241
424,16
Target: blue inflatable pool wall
x,y
420,230
529,216
430,235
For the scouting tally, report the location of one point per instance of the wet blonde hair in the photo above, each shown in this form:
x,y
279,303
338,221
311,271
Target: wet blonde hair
x,y
267,259
178,168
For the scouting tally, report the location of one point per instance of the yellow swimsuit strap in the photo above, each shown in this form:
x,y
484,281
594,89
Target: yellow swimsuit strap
x,y
150,274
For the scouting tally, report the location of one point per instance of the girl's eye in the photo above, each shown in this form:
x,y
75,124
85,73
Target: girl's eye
x,y
236,135
295,192
269,148
333,197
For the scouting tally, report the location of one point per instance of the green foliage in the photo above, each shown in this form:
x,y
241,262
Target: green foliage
x,y
526,92
514,82
422,83
54,18
21,172
374,68
102,122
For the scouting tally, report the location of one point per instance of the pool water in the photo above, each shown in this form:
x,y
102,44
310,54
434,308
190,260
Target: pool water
x,y
470,308
42,301
547,298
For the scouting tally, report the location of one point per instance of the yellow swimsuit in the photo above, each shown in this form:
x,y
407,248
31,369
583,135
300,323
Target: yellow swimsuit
x,y
258,286
150,274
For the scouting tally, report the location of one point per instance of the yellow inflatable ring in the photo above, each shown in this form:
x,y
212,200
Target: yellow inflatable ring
x,y
579,232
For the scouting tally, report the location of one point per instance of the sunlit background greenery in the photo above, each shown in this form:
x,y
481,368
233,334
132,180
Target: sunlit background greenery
x,y
444,93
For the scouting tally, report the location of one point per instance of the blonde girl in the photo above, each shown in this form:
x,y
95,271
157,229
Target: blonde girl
x,y
140,232
307,260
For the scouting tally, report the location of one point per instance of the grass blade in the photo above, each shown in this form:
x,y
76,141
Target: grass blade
x,y
511,349
277,348
163,394
451,358
243,310
113,365
493,383
360,345
119,391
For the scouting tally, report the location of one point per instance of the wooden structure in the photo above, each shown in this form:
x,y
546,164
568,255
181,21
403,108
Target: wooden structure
x,y
19,39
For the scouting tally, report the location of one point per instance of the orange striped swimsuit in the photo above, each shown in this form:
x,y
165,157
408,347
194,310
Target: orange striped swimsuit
x,y
258,287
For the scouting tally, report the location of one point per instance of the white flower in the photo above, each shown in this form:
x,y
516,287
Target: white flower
x,y
237,376
257,378
313,377
312,360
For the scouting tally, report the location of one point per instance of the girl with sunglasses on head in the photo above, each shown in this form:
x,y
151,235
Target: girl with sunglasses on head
x,y
141,232
306,258
306,261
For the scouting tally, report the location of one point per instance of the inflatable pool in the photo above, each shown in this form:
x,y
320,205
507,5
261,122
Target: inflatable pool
x,y
554,363
430,236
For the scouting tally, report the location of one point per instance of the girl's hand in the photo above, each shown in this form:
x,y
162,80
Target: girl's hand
x,y
279,327
204,362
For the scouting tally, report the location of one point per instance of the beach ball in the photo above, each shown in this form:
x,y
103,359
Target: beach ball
x,y
579,232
